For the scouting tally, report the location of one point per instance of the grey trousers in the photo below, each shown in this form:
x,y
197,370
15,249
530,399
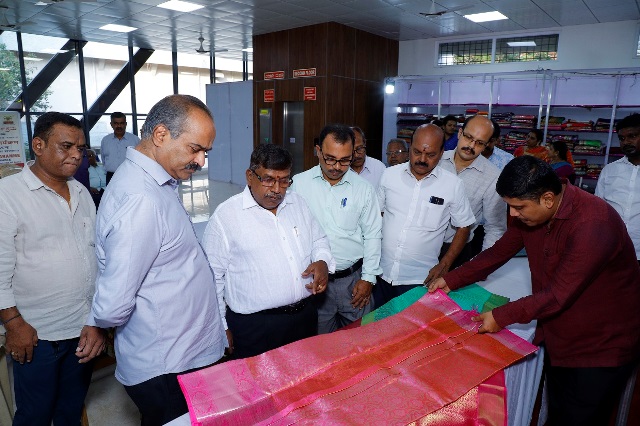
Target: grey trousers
x,y
334,305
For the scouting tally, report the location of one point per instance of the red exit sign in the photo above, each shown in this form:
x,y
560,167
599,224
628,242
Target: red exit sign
x,y
274,75
304,72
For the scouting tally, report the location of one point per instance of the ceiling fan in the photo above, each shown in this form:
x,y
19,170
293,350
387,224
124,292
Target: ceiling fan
x,y
202,50
432,10
7,25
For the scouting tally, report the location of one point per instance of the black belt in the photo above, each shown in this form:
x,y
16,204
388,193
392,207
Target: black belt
x,y
293,308
346,272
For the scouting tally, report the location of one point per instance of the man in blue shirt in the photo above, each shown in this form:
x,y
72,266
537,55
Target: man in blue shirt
x,y
347,208
154,282
113,146
450,127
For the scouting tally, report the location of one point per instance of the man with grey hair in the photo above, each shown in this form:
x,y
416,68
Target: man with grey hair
x,y
367,167
154,283
397,152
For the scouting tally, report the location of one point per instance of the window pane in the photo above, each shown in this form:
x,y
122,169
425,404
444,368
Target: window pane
x,y
64,93
102,62
154,81
10,80
530,48
465,52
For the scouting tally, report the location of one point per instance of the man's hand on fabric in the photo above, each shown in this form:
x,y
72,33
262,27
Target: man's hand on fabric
x,y
228,351
437,284
320,273
91,343
489,325
436,272
361,294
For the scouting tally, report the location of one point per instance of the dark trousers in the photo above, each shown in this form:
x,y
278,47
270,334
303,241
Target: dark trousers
x,y
160,399
383,291
584,396
51,387
109,176
260,332
469,251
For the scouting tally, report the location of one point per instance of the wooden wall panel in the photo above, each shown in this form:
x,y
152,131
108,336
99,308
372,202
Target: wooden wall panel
x,y
314,119
341,57
308,48
271,53
340,100
369,102
372,56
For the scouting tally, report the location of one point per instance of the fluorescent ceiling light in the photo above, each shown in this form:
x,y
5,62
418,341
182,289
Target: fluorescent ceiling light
x,y
118,28
186,73
180,6
248,49
4,69
41,4
486,16
521,44
27,58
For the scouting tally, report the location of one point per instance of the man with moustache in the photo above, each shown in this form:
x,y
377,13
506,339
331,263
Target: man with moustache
x,y
113,147
450,127
367,167
154,282
47,273
347,208
419,200
397,152
585,289
479,176
619,183
269,256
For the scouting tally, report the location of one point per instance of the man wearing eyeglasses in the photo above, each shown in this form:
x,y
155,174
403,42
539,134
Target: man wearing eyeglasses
x,y
479,176
367,167
397,152
347,208
269,256
420,200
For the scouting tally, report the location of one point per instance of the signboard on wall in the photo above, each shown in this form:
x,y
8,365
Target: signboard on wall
x,y
274,75
310,93
269,95
304,72
11,147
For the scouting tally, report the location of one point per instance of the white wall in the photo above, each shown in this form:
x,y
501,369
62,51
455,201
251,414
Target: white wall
x,y
609,45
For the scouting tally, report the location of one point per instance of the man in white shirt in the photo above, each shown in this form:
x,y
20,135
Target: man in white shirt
x,y
619,183
397,152
269,256
367,167
347,208
491,152
479,176
97,177
113,147
47,273
419,201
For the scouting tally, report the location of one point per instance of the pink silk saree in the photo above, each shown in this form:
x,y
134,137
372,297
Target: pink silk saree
x,y
425,365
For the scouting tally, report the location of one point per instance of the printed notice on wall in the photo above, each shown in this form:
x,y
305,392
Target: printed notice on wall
x,y
11,148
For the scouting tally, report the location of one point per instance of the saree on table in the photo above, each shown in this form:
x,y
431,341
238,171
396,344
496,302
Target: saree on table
x,y
409,368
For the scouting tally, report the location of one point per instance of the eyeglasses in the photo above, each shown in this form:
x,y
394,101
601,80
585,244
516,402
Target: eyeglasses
x,y
394,153
361,149
478,142
270,182
332,161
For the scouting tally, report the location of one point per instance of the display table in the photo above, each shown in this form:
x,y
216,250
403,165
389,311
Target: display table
x,y
513,281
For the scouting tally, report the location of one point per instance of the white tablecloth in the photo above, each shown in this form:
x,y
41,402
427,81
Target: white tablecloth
x,y
512,280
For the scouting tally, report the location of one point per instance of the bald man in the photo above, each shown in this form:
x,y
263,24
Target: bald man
x,y
419,201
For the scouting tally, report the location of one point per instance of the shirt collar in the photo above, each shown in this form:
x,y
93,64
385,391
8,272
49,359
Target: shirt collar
x,y
346,178
626,160
477,163
566,206
435,172
152,167
249,202
33,183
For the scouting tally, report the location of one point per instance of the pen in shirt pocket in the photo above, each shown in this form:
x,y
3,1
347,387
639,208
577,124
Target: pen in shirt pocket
x,y
295,229
344,202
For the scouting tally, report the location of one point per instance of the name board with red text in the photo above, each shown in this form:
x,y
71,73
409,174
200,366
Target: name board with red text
x,y
270,95
304,72
309,93
274,75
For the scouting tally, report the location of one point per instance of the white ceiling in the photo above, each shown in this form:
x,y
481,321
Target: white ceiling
x,y
230,24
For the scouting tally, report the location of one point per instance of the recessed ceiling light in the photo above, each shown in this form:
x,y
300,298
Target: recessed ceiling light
x,y
180,6
118,28
248,49
486,16
521,43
